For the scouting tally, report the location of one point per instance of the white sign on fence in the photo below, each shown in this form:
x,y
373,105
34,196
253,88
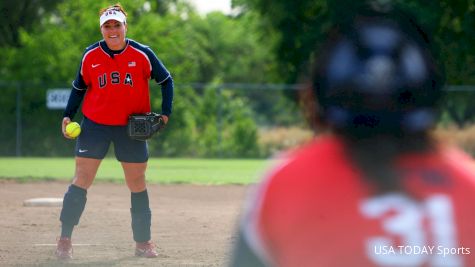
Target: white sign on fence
x,y
57,98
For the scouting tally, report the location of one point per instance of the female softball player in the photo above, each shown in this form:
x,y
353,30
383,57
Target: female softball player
x,y
112,83
377,190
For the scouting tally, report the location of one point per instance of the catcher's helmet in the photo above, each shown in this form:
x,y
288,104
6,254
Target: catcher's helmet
x,y
378,75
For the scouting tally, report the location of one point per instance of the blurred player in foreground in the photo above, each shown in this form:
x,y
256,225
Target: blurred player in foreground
x,y
113,81
377,189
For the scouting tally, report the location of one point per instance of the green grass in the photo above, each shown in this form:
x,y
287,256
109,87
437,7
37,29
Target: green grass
x,y
196,171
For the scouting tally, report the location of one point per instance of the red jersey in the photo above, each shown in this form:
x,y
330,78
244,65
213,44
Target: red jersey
x,y
117,83
317,210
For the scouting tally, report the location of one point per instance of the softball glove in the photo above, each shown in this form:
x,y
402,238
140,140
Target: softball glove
x,y
144,126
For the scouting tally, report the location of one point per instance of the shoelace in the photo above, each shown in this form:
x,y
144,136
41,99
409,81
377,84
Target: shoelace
x,y
147,247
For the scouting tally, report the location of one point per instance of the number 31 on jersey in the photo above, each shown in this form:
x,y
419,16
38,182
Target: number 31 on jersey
x,y
417,232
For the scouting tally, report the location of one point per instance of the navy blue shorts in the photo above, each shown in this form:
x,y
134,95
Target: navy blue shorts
x,y
95,139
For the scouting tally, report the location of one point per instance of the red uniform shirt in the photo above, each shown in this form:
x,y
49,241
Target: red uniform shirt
x,y
316,210
117,84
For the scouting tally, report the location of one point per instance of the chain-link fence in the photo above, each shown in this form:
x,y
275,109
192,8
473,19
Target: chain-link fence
x,y
221,120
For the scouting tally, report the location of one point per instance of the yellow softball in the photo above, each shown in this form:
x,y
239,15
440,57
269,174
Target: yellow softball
x,y
73,129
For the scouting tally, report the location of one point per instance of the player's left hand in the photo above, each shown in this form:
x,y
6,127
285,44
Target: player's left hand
x,y
165,119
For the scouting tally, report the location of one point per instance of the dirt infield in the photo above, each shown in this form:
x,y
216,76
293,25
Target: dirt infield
x,y
192,225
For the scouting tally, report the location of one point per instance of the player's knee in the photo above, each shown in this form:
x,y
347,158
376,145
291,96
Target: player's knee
x,y
83,181
136,183
86,170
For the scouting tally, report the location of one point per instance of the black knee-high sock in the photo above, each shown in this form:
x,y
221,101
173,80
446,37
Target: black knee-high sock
x,y
74,202
141,216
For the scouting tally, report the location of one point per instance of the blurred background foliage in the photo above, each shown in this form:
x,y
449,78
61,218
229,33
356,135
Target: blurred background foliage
x,y
262,42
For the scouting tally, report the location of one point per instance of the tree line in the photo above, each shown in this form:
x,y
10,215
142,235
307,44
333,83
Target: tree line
x,y
262,41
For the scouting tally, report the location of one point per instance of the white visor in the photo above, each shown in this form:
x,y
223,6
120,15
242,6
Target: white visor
x,y
112,14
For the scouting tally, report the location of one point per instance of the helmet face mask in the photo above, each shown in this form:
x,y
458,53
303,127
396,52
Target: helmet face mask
x,y
377,77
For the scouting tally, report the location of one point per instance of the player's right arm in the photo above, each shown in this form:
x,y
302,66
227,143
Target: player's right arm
x,y
75,98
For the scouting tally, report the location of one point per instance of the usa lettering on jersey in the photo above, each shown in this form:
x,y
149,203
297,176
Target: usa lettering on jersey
x,y
115,79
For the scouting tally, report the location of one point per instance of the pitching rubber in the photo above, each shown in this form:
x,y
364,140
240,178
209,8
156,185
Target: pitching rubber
x,y
43,202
